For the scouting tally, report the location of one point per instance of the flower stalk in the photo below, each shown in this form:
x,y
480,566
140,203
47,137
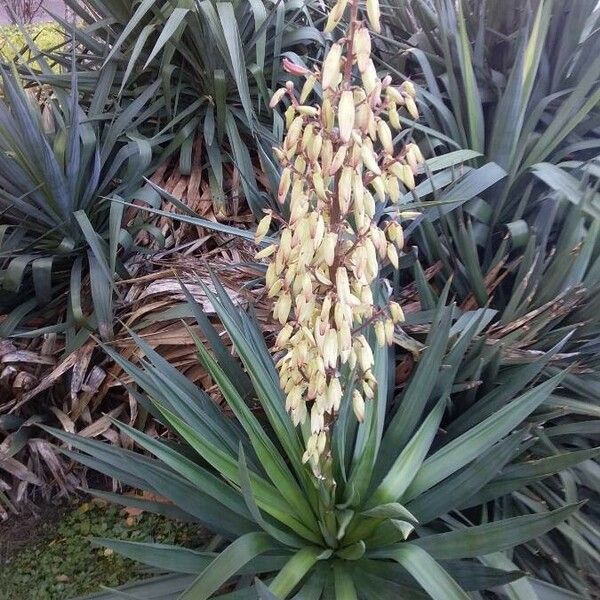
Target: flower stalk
x,y
339,164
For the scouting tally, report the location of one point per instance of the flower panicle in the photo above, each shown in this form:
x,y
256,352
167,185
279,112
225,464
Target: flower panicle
x,y
339,162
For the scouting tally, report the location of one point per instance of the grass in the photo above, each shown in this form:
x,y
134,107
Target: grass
x,y
12,40
63,564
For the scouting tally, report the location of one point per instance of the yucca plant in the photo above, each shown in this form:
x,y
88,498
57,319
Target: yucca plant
x,y
64,174
532,112
382,533
216,61
334,488
517,85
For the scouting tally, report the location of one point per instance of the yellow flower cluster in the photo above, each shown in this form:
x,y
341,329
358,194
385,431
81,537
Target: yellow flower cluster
x,y
339,163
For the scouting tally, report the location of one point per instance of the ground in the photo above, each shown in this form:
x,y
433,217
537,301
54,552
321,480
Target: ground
x,y
50,557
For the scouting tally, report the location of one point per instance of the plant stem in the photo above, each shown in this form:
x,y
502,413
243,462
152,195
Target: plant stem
x,y
350,46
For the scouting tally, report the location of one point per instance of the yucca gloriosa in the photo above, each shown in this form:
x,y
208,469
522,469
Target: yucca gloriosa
x,y
528,247
384,533
375,522
65,171
216,62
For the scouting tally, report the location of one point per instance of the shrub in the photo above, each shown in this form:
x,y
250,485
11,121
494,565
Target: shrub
x,y
64,173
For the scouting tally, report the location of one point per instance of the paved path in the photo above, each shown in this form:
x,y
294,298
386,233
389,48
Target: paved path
x,y
55,6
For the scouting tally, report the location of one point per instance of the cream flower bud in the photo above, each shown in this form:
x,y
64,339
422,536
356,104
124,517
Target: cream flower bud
x,y
374,15
314,149
404,173
280,154
331,66
328,248
385,136
338,160
283,307
263,228
266,252
307,136
358,405
342,284
389,331
294,398
392,255
300,164
346,115
370,159
327,114
336,13
409,214
284,336
369,203
290,115
275,287
409,88
395,95
368,391
307,88
334,394
369,77
364,354
415,151
394,117
362,46
307,111
330,349
284,184
294,131
317,420
345,189
379,187
277,97
327,155
411,106
393,188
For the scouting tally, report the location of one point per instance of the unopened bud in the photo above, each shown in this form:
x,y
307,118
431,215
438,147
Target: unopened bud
x,y
307,88
345,189
331,66
277,97
346,115
284,184
263,228
396,312
293,68
265,252
336,13
385,136
370,159
358,405
338,160
374,15
411,106
284,336
392,255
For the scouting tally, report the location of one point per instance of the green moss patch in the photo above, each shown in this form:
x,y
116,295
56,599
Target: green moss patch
x,y
63,563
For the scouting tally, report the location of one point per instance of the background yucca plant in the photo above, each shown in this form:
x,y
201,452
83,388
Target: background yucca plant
x,y
520,86
64,173
533,113
217,63
387,533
